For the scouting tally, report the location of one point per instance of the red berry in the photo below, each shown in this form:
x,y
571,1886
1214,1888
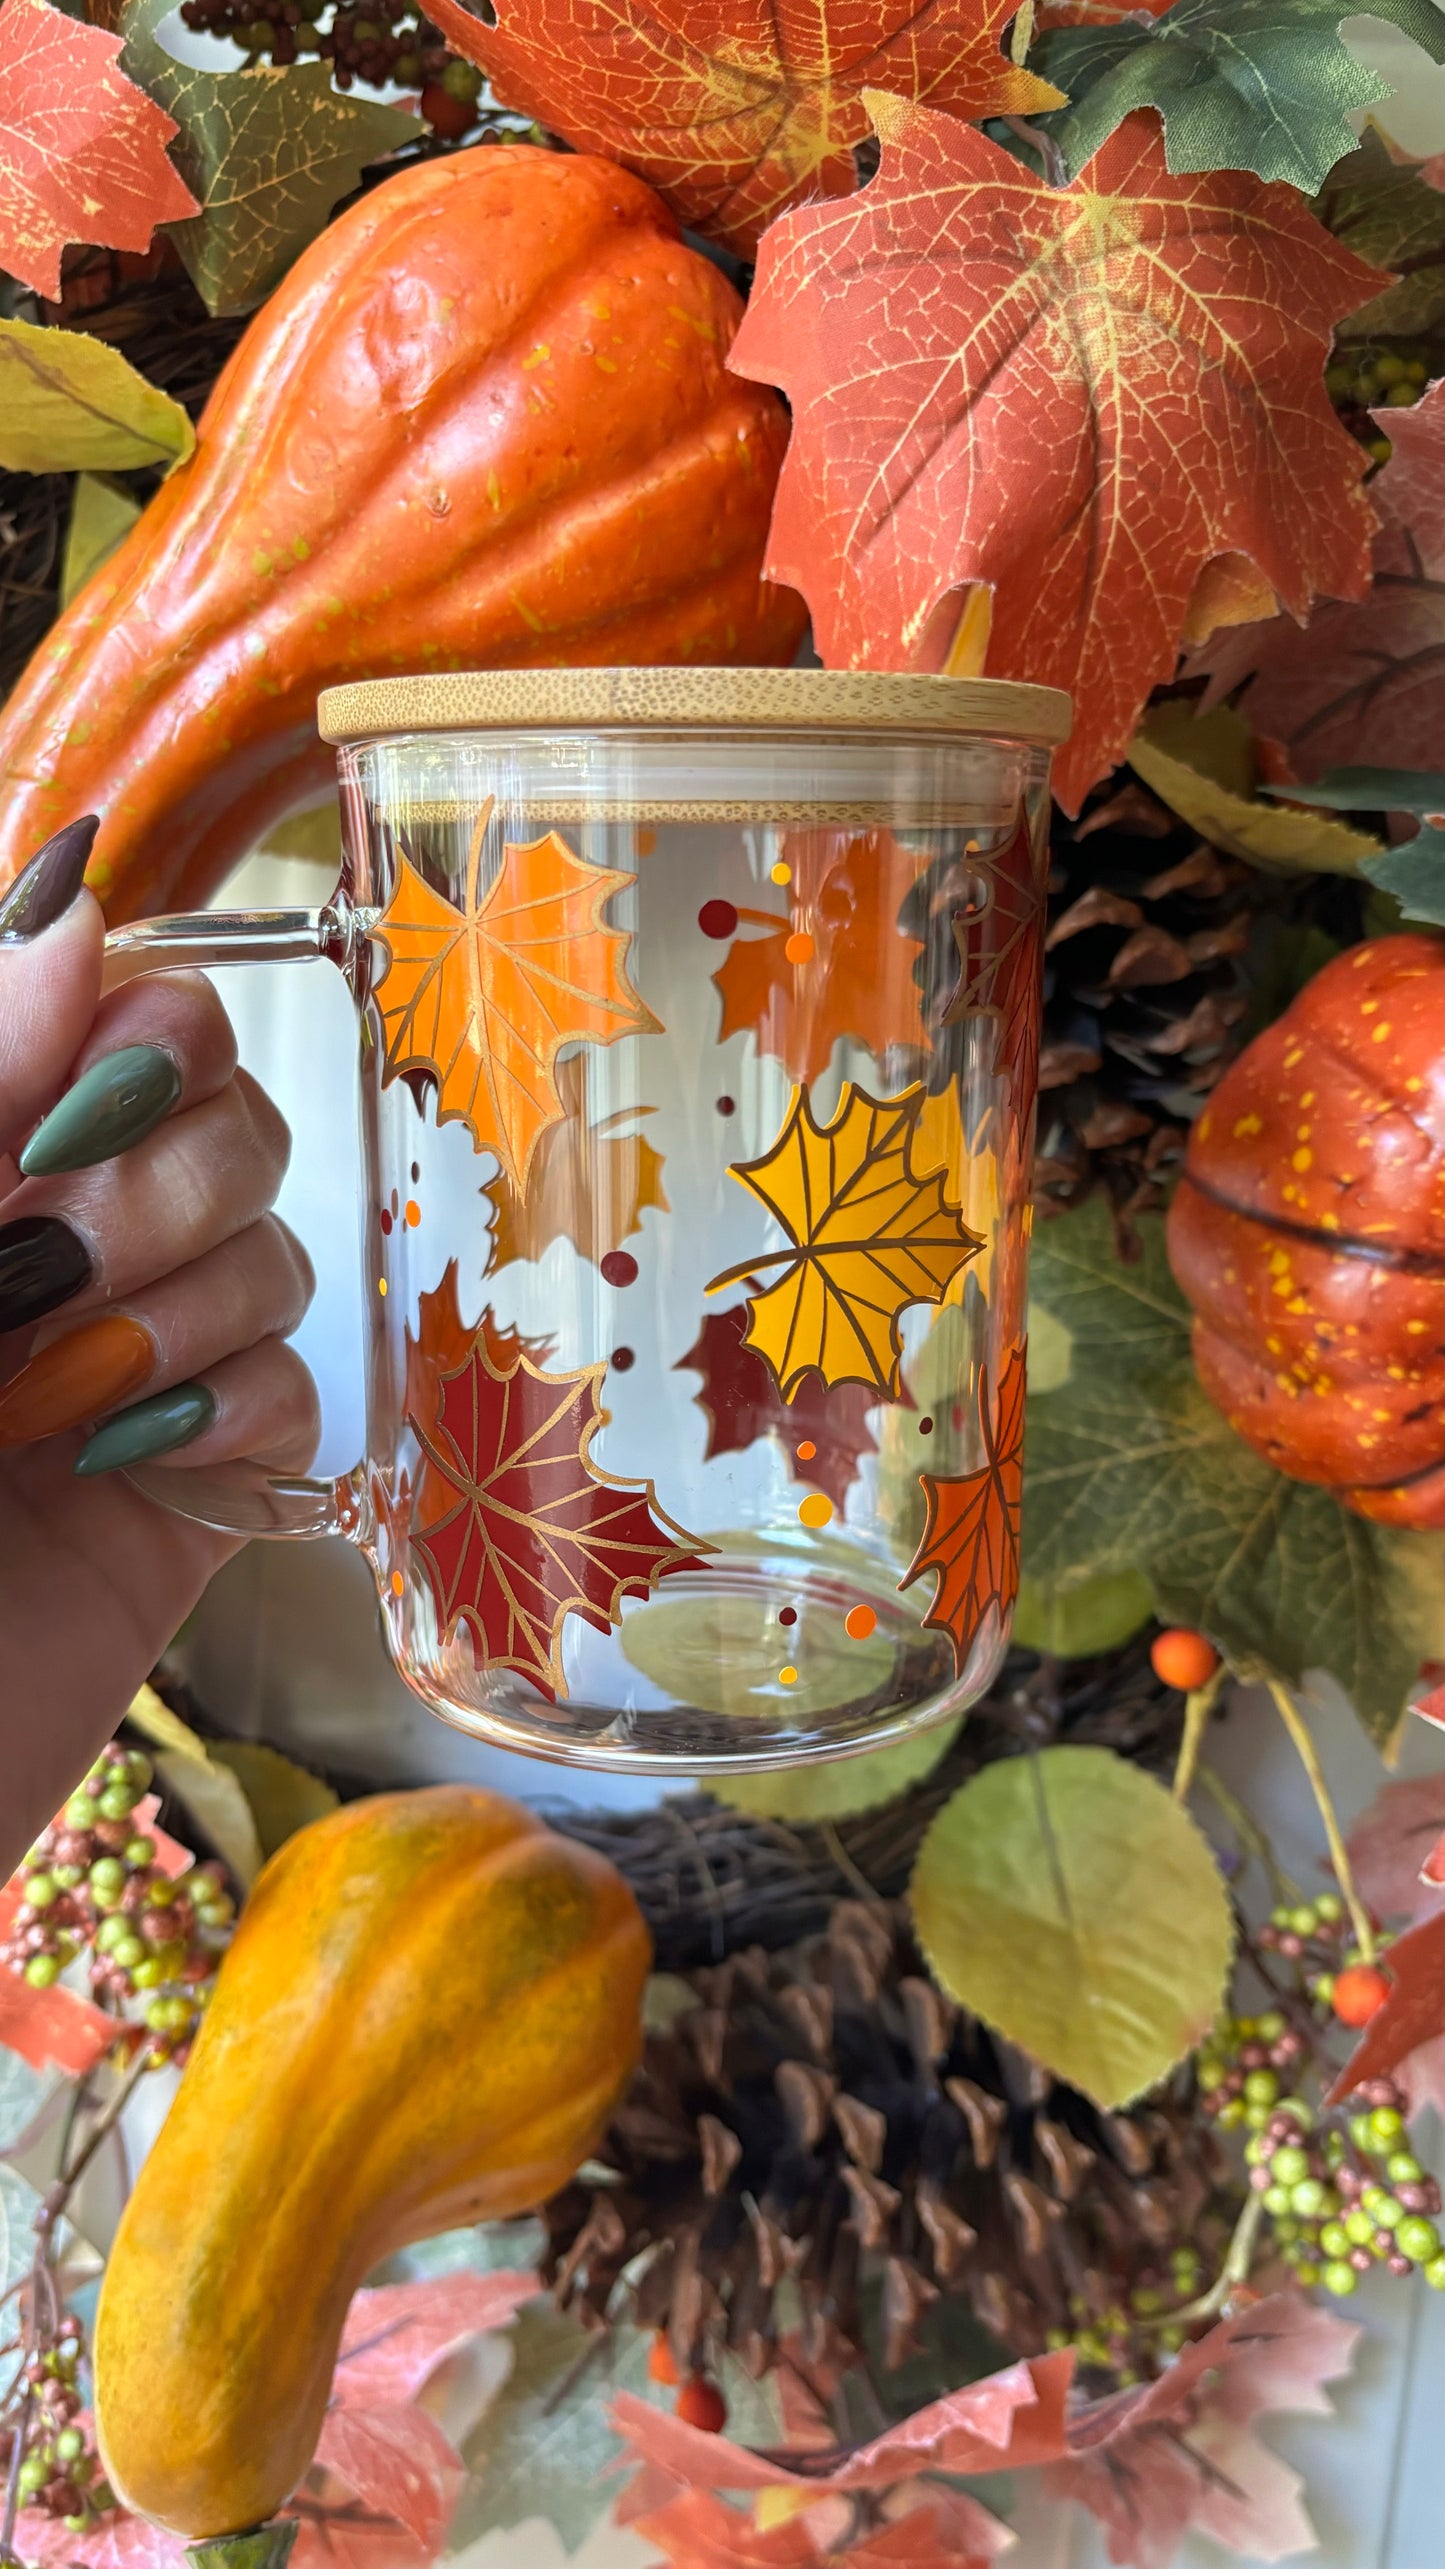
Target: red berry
x,y
661,2361
1360,1992
701,2403
447,116
1184,1659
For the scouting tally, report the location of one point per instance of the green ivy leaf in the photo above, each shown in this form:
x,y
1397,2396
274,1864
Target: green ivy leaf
x,y
72,404
1193,763
836,1788
268,152
1074,1618
1262,85
726,1655
1129,1467
1370,789
1070,1901
102,514
1385,212
1414,875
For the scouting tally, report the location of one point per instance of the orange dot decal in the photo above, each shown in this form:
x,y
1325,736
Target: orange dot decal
x,y
646,842
815,1510
859,1622
398,1584
799,947
413,1213
806,1450
787,1676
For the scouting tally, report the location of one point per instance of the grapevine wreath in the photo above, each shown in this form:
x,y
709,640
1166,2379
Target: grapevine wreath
x,y
910,2186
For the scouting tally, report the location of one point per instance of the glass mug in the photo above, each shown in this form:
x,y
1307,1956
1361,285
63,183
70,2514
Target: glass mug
x,y
699,1024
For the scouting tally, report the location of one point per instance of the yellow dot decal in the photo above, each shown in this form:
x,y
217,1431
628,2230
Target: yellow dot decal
x,y
787,1676
381,1286
859,1622
781,873
815,1509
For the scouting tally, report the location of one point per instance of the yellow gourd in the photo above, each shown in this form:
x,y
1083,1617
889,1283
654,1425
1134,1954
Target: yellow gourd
x,y
429,2008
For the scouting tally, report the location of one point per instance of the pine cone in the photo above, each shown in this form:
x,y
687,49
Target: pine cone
x,y
820,2118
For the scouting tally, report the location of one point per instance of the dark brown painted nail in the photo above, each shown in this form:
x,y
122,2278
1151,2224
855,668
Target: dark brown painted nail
x,y
50,882
42,1263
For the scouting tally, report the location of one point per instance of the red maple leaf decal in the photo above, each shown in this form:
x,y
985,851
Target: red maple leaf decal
x,y
999,933
838,963
972,1535
82,150
741,1402
1077,396
1364,684
1411,2015
515,1527
736,108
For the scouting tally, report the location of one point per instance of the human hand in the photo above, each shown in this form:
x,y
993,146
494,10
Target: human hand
x,y
146,1291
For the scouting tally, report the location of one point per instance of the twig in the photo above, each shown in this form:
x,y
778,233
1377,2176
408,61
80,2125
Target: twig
x,y
1250,1837
1055,167
1298,1729
1238,2258
1199,1703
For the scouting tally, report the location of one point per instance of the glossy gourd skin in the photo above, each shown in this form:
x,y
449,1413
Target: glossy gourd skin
x,y
1307,1233
485,422
430,2005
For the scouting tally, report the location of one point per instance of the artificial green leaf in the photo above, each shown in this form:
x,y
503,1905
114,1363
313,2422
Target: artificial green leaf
x,y
726,1655
1071,1902
187,1769
1369,789
1130,1467
283,1797
1049,1353
1262,85
835,1788
1071,1618
1385,212
102,513
72,404
1192,763
1414,875
267,152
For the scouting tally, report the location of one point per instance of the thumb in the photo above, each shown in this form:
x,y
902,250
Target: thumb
x,y
50,975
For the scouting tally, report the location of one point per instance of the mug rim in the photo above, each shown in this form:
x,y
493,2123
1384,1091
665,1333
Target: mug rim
x,y
680,698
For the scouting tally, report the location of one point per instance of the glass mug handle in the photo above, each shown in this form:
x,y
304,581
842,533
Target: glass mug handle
x,y
245,1498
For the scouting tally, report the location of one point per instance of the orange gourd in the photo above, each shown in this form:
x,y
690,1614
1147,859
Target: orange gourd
x,y
1306,1232
485,422
429,2008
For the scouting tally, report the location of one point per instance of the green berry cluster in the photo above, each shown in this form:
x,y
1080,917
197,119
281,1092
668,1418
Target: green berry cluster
x,y
1135,2339
1375,379
59,2470
92,1884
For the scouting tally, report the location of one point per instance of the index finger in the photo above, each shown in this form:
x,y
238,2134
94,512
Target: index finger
x,y
49,991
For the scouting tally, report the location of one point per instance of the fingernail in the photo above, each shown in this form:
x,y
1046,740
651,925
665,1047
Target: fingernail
x,y
42,1263
76,1377
152,1427
50,882
112,1106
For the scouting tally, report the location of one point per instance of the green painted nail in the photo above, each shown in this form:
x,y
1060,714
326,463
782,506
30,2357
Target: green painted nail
x,y
112,1106
149,1427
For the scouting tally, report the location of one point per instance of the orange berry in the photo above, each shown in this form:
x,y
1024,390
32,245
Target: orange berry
x,y
1359,1993
661,2361
1184,1659
701,2403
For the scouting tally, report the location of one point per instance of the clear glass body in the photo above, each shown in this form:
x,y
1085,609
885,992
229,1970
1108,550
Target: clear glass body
x,y
698,1085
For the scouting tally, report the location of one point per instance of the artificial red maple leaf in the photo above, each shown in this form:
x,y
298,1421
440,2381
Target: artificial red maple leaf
x,y
1411,2015
1394,1842
1362,684
1076,395
515,1527
736,108
741,1402
999,933
82,150
1180,2453
972,1535
838,963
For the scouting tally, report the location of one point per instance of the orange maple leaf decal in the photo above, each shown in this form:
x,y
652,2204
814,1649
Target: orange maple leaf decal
x,y
972,1535
82,149
588,1183
838,964
515,1527
735,108
999,934
485,997
1076,396
868,1235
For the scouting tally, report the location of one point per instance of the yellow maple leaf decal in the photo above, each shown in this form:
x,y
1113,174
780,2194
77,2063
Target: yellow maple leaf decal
x,y
869,1235
485,997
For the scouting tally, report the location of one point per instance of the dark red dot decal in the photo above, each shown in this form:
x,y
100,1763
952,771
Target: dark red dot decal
x,y
788,1615
386,1221
717,918
727,1106
619,1267
925,1427
623,1360
415,1171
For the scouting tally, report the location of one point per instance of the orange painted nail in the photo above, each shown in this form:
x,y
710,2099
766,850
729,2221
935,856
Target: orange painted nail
x,y
76,1377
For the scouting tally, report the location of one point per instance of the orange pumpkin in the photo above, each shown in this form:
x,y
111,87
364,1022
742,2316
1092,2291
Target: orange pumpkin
x,y
1306,1232
485,422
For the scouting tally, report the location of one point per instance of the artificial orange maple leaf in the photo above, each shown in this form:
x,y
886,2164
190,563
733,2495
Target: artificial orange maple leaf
x,y
1075,395
82,150
588,1183
972,1535
485,997
868,1234
736,108
851,968
515,1526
